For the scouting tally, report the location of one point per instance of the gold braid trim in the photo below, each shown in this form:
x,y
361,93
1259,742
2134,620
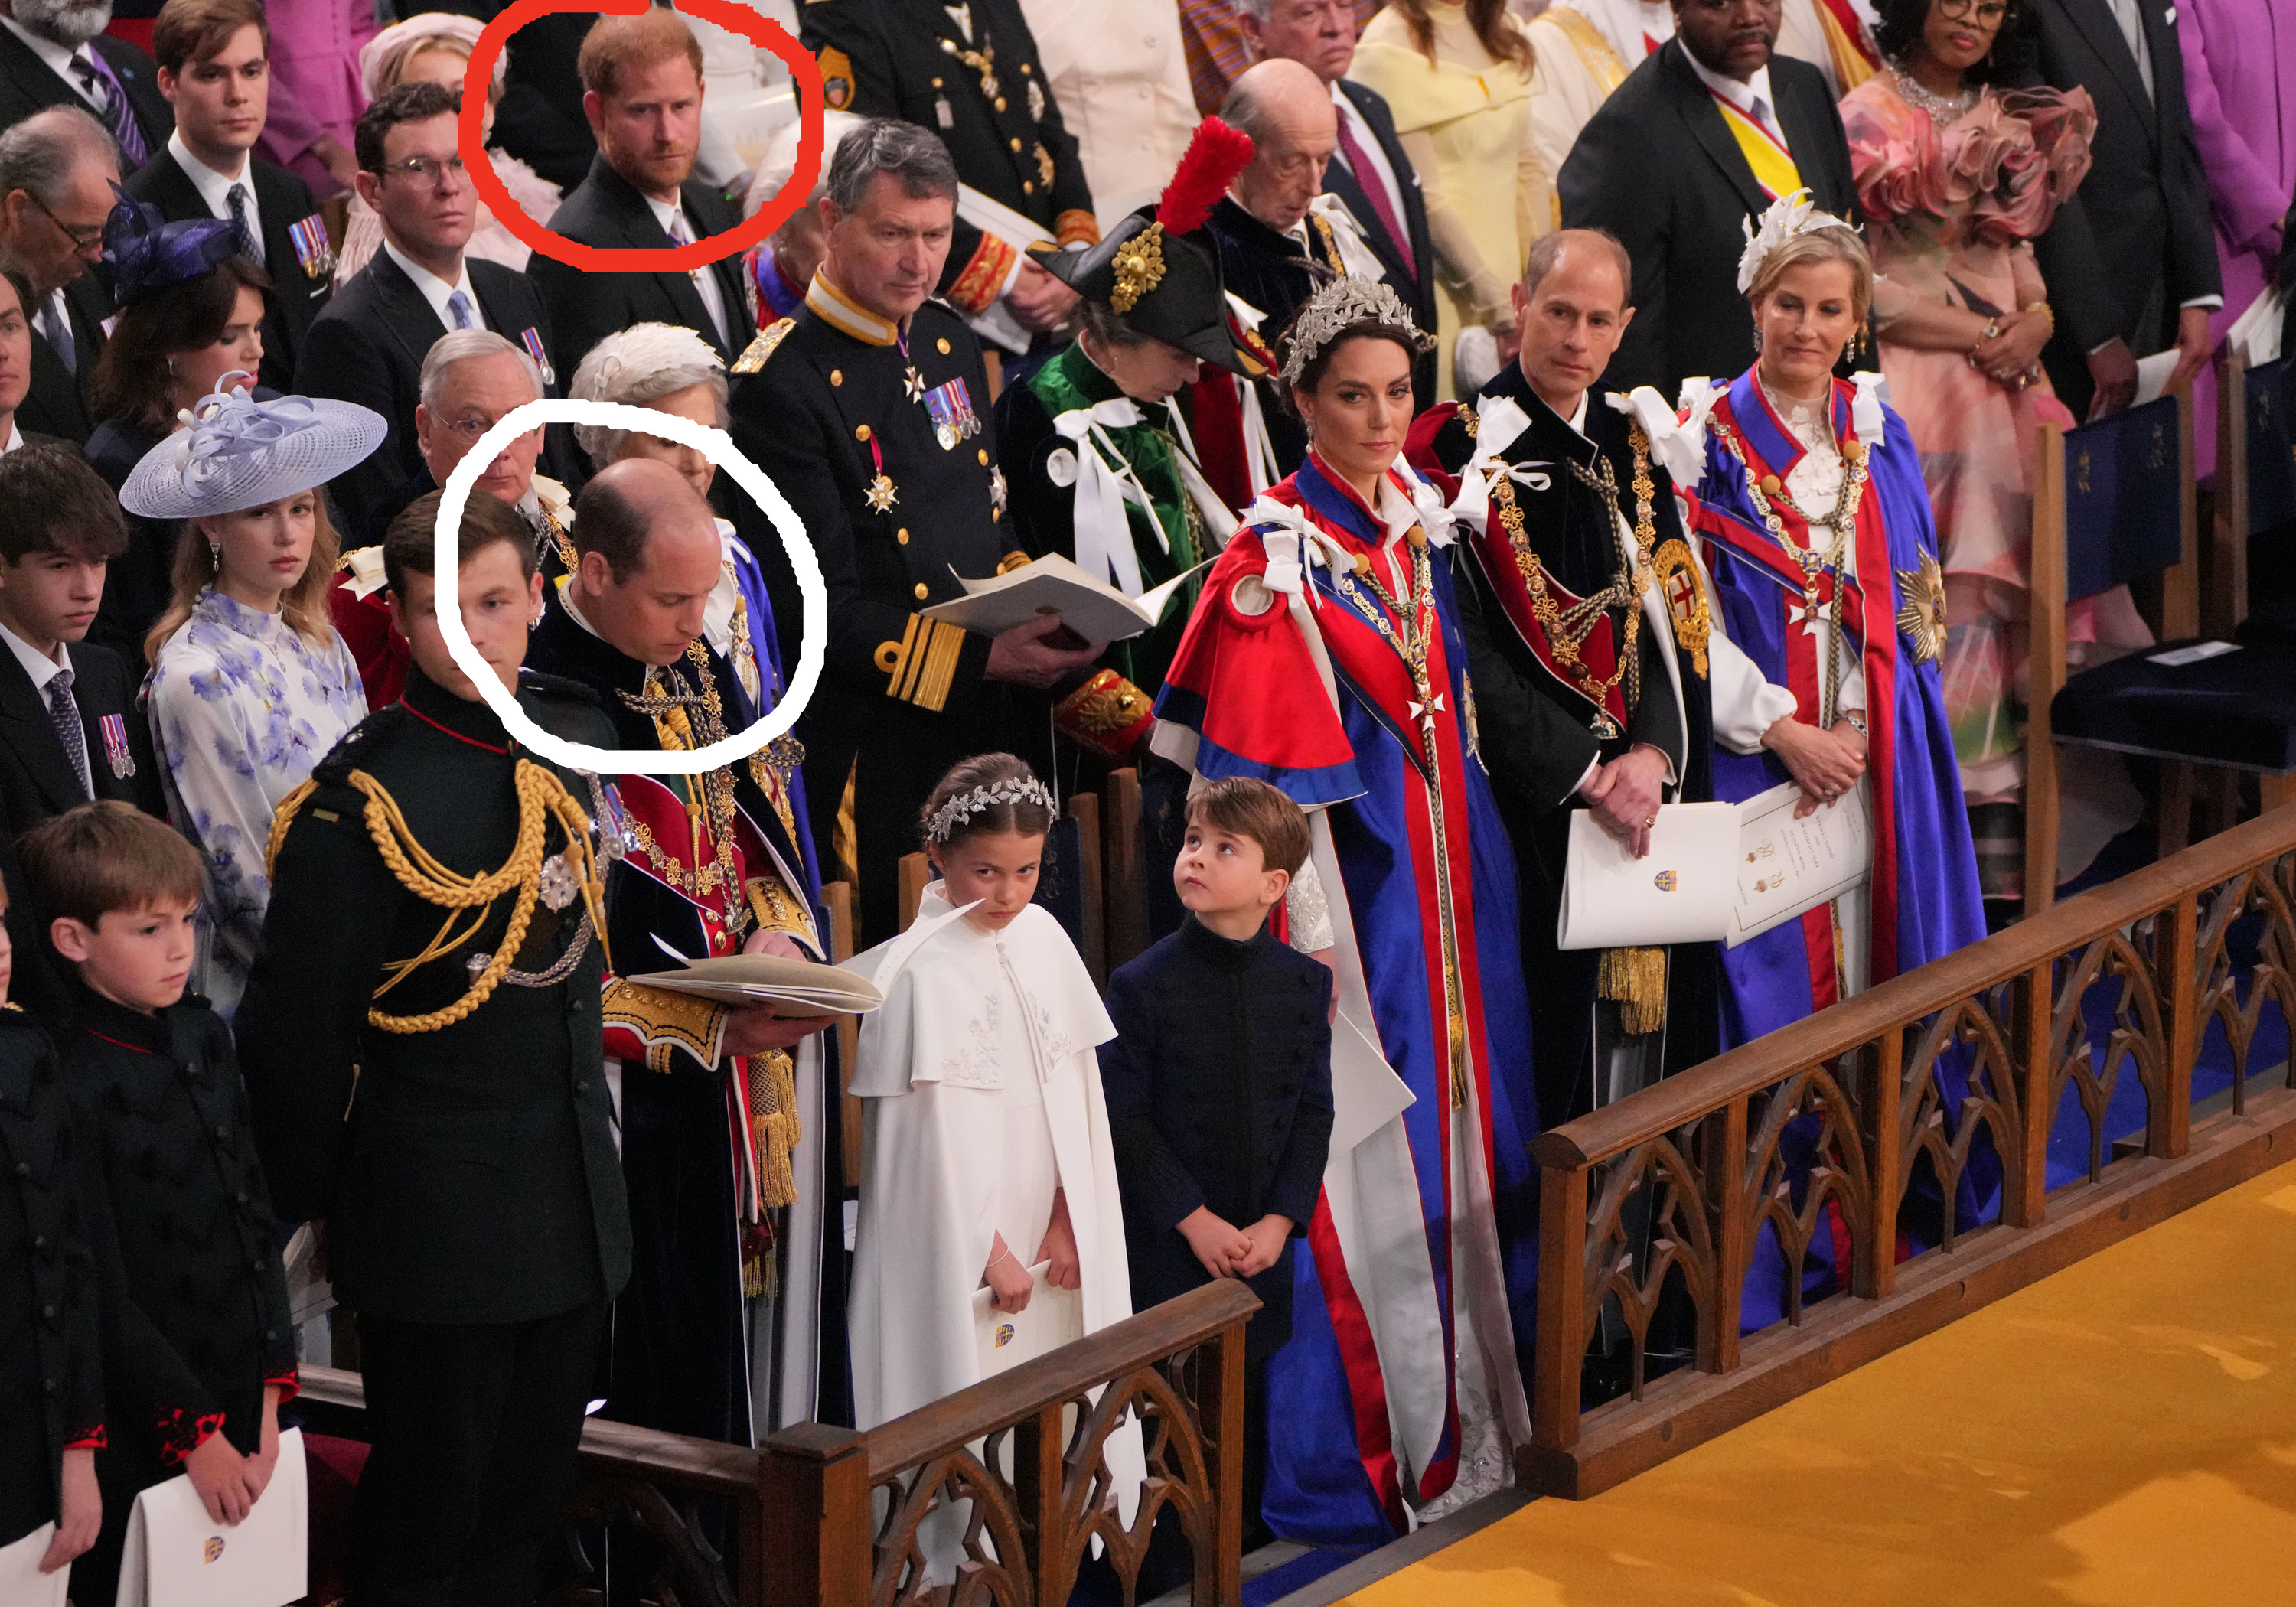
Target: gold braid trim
x,y
774,1128
1635,980
541,798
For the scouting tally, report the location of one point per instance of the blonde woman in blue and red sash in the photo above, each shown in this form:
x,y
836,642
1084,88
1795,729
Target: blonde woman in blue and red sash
x,y
1818,536
1324,658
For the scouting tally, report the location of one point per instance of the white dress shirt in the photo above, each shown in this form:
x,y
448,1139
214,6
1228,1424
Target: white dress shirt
x,y
1751,97
705,282
437,291
15,438
214,187
42,669
58,59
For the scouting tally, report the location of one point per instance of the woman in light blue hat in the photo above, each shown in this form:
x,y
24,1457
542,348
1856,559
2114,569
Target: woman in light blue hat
x,y
250,685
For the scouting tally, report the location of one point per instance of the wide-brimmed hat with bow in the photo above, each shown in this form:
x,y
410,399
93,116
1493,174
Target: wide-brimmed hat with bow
x,y
237,453
1157,268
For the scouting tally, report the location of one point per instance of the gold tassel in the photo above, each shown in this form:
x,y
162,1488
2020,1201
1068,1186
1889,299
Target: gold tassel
x,y
1635,980
774,1127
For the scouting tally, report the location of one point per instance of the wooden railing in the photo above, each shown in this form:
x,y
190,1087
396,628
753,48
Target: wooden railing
x,y
826,1517
1821,1131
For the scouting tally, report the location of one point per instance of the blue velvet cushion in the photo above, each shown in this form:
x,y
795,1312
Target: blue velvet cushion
x,y
2236,708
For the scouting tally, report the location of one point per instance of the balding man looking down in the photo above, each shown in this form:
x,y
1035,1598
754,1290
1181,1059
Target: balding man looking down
x,y
710,1099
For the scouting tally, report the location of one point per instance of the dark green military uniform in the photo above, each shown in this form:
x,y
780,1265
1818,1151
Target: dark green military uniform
x,y
983,92
473,1198
888,459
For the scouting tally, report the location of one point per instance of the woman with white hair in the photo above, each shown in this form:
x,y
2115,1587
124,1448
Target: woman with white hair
x,y
670,369
435,47
781,266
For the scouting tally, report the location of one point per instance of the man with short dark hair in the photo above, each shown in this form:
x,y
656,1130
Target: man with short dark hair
x,y
868,408
57,168
214,69
706,1341
970,74
1700,138
642,92
56,53
369,345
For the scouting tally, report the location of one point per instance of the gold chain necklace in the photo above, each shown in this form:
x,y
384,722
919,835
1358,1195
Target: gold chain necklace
x,y
714,812
1812,563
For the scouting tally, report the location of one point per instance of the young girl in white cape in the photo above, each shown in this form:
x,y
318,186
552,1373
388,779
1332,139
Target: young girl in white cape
x,y
984,1135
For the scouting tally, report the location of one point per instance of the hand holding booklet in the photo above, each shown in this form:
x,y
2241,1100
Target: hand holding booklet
x,y
796,987
1680,892
1787,867
1093,609
1053,1317
177,1556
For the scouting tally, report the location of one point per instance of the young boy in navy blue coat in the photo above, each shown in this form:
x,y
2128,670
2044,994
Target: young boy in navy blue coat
x,y
1219,1081
51,1357
197,1349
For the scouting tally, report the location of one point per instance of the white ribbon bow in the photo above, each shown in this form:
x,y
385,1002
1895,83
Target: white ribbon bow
x,y
1293,545
1357,260
1866,406
1678,441
1103,534
1500,424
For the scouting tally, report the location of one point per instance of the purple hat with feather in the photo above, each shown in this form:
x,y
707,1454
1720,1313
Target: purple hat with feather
x,y
144,254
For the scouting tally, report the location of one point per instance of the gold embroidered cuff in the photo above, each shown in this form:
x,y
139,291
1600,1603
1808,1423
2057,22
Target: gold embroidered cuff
x,y
775,910
1107,714
1012,560
1076,226
922,663
665,1022
984,275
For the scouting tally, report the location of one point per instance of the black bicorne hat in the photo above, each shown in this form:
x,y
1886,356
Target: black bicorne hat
x,y
1157,268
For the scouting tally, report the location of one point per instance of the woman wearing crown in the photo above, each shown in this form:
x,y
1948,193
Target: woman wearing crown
x,y
1324,658
1817,533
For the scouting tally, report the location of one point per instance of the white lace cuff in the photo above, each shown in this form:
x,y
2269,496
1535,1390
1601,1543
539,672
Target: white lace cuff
x,y
1310,912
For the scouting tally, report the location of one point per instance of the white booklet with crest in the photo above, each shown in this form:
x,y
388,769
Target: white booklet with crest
x,y
1093,609
1787,867
1053,1317
794,987
21,1582
177,1556
1681,892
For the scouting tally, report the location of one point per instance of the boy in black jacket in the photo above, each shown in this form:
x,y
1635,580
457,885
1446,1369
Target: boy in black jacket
x,y
1219,1082
197,1348
50,1361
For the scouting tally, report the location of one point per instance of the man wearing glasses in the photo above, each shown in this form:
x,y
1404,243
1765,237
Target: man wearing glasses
x,y
57,168
368,346
469,379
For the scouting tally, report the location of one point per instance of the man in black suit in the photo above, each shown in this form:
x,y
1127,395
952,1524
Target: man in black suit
x,y
70,730
214,69
1668,166
55,52
642,92
1369,171
369,345
57,168
2143,275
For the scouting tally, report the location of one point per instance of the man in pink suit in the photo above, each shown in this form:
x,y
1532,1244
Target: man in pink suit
x,y
2239,76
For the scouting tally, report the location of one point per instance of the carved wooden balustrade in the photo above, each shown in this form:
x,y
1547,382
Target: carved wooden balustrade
x,y
1842,1129
1010,1472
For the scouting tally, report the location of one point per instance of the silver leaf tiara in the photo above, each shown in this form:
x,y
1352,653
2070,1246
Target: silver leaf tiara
x,y
1339,306
965,806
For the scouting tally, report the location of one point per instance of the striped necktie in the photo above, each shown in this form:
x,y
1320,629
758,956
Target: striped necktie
x,y
96,78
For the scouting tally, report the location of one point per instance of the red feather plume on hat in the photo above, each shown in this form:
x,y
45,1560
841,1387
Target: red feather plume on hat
x,y
1214,157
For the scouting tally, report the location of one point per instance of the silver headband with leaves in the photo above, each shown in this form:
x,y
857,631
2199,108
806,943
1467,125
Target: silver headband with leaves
x,y
1336,309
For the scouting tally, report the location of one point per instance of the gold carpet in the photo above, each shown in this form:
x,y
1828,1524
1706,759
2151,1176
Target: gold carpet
x,y
2122,1434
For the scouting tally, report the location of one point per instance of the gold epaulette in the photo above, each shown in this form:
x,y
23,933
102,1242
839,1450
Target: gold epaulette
x,y
922,663
1107,714
753,356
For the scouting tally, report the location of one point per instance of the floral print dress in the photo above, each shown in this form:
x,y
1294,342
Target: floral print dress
x,y
243,706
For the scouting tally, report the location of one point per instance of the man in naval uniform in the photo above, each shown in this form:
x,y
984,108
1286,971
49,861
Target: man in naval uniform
x,y
969,73
734,1322
1603,708
868,409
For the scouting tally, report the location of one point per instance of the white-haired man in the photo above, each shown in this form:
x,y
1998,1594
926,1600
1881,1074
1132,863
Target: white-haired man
x,y
369,344
471,379
55,52
57,168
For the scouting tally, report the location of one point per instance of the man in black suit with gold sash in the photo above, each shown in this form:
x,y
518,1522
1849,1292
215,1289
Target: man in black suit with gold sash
x,y
1588,638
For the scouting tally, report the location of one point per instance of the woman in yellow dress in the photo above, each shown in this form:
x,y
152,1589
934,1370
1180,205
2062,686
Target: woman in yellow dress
x,y
1457,75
